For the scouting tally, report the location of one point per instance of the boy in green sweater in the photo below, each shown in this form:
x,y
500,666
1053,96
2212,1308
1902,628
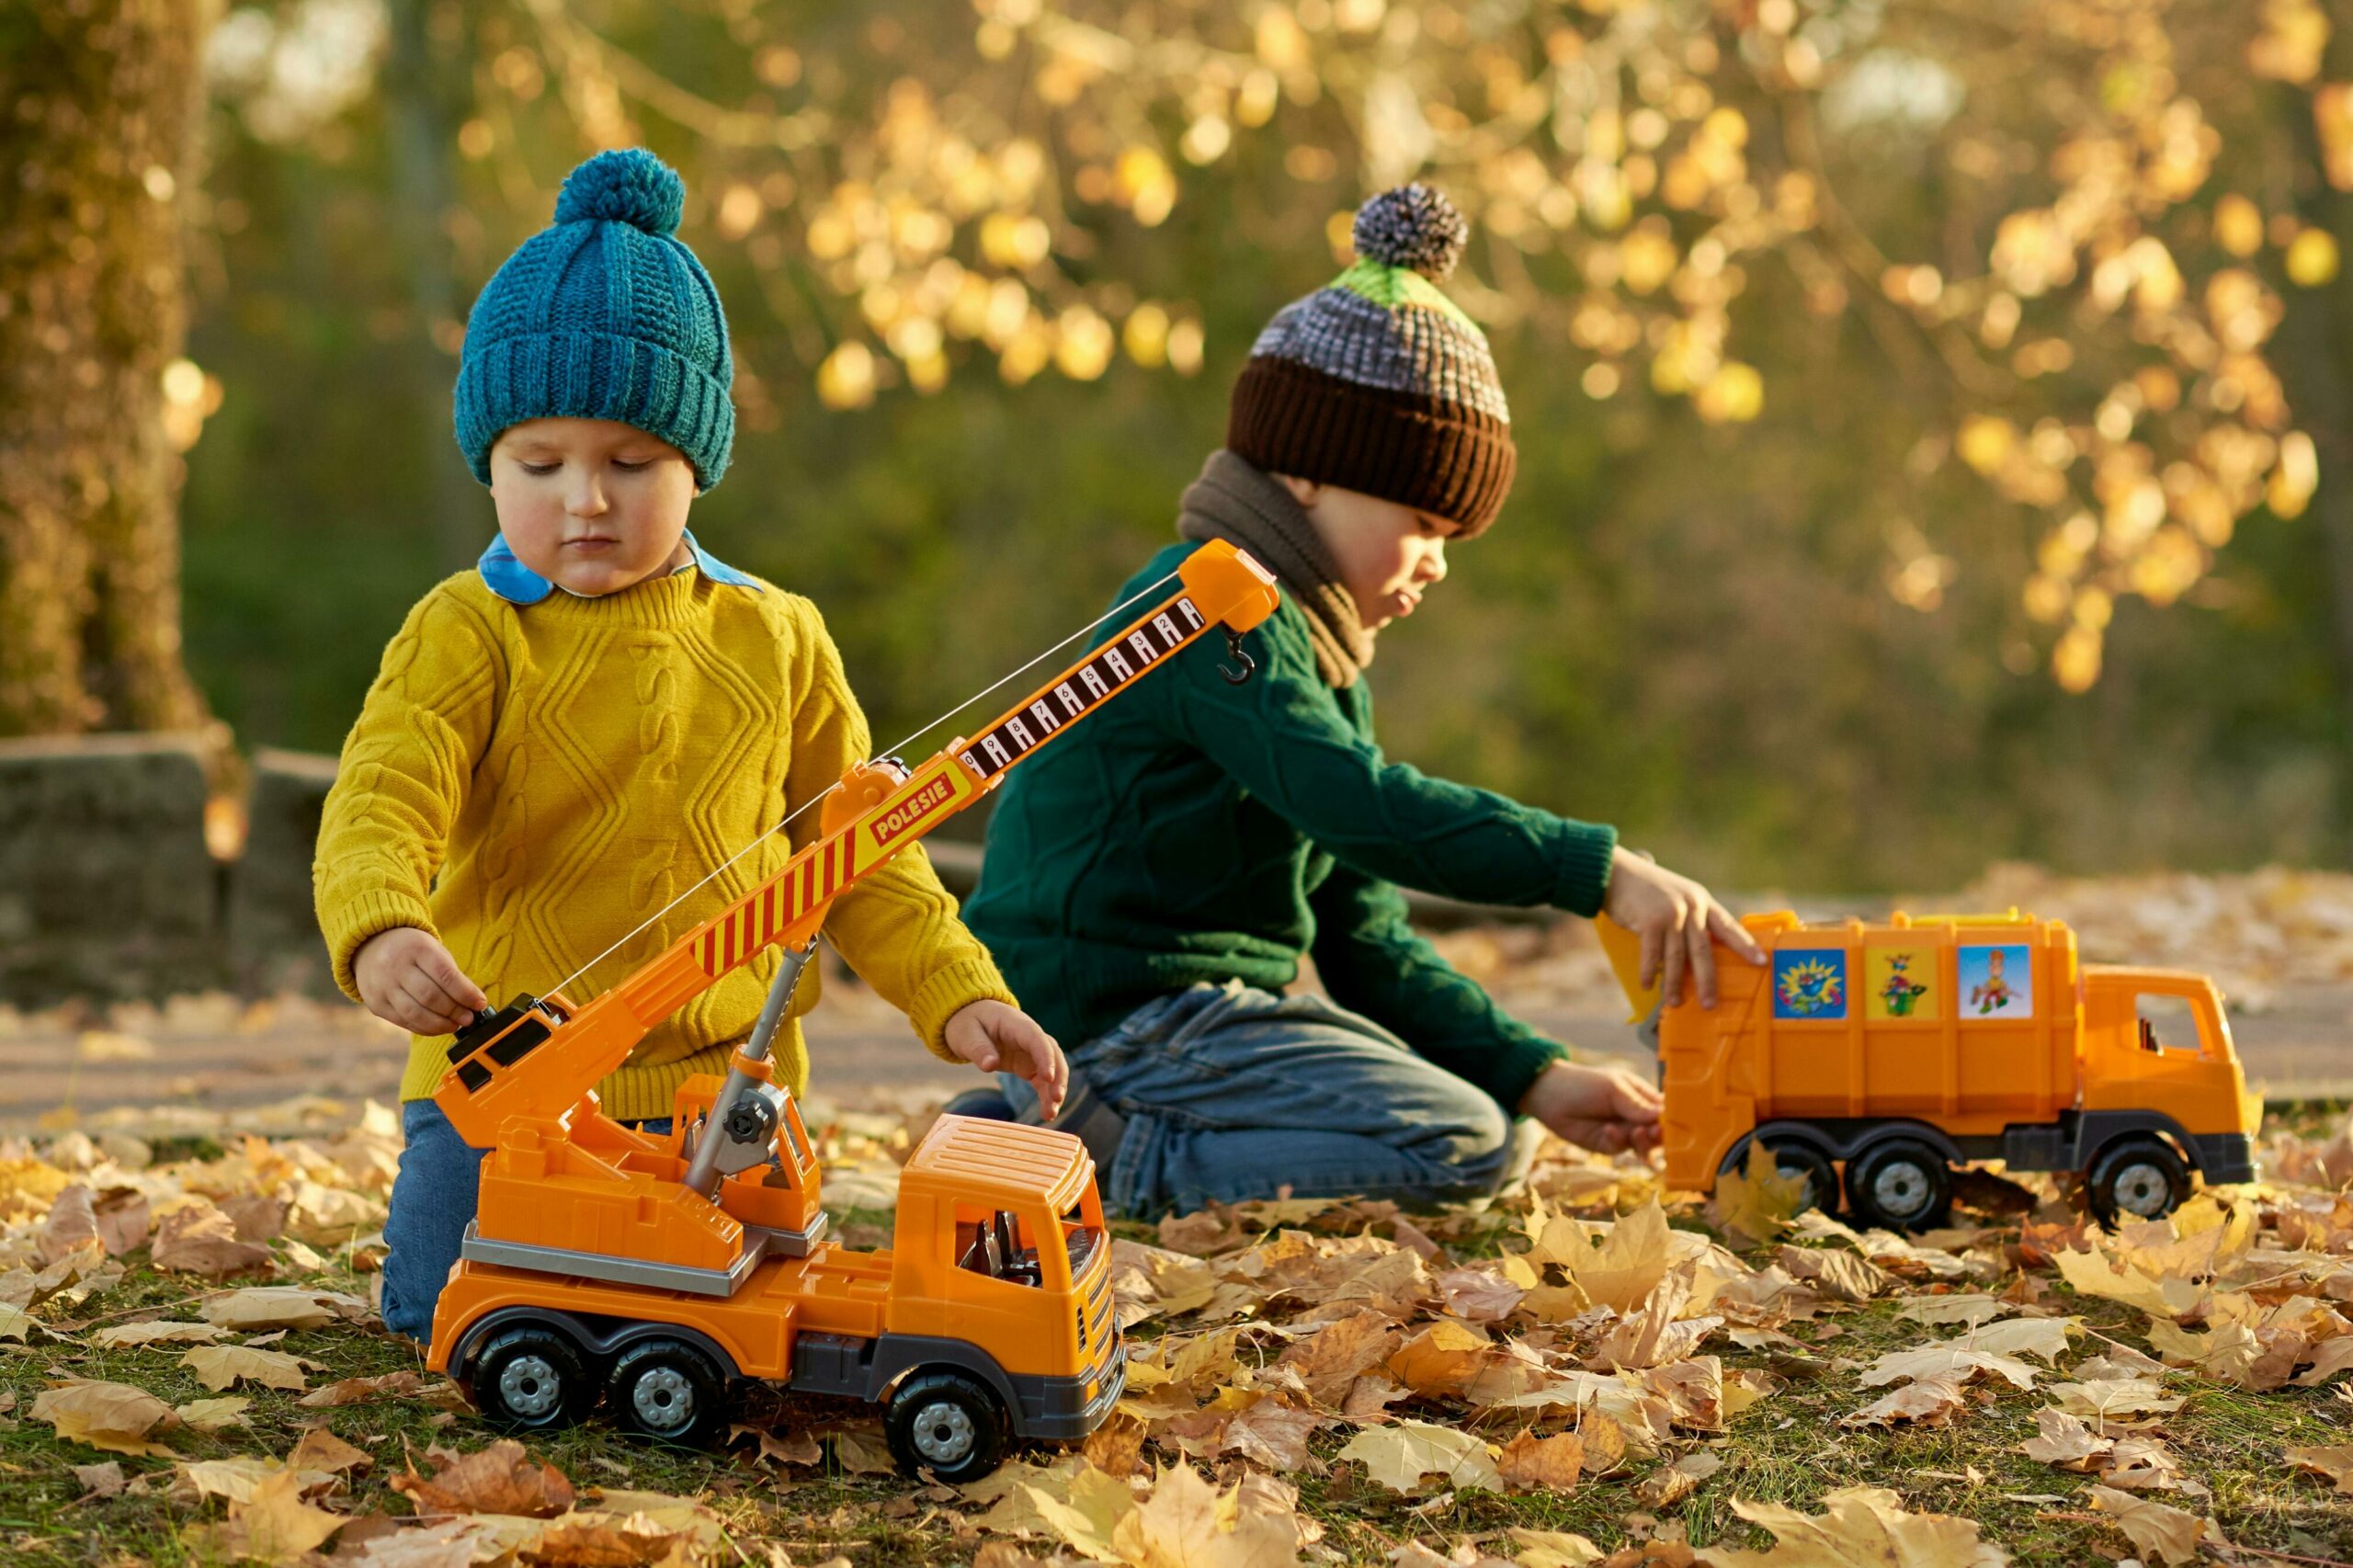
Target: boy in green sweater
x,y
1152,883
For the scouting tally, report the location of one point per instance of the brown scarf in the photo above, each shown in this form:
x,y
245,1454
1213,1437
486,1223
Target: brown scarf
x,y
1235,502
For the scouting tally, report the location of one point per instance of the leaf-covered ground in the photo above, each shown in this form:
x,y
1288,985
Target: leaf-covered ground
x,y
1588,1370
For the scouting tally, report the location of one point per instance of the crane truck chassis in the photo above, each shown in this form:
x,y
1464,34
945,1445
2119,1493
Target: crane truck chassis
x,y
655,1272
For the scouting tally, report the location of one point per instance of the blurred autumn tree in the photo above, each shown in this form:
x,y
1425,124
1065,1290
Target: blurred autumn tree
x,y
95,401
1868,359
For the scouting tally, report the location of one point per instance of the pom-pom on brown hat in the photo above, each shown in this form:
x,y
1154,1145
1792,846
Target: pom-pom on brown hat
x,y
1377,381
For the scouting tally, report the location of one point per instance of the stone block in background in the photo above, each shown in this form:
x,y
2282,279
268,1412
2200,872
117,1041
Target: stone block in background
x,y
106,890
273,941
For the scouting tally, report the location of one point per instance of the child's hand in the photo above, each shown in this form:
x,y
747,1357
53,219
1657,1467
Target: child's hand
x,y
998,1039
408,978
1674,916
1601,1108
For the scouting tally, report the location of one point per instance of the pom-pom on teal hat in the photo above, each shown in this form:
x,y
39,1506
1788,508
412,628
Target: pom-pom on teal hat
x,y
605,316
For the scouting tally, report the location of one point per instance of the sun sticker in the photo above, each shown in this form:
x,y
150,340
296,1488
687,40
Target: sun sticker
x,y
1900,983
1810,982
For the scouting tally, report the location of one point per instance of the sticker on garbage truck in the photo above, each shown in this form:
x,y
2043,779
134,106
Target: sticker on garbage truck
x,y
1995,981
1810,984
1900,983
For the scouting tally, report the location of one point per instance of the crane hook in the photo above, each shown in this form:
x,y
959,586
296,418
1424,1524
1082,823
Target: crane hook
x,y
1234,649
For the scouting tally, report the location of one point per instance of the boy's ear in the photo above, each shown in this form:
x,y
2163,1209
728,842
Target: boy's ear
x,y
1306,492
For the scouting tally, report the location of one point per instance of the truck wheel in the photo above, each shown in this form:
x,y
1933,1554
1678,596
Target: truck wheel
x,y
533,1380
1902,1185
949,1424
1794,1157
668,1390
2136,1178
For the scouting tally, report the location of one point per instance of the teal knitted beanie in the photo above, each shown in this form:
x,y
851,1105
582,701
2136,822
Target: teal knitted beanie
x,y
605,316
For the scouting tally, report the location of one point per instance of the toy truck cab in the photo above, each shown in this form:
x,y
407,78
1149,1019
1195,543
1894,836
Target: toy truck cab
x,y
2155,1048
1001,1270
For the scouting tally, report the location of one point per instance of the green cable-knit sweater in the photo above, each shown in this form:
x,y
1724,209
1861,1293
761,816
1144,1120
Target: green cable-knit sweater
x,y
1194,830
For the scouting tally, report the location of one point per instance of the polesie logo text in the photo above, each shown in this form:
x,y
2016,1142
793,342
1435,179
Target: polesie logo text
x,y
912,810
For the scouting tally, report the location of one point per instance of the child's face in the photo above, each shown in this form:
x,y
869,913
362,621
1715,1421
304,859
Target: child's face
x,y
1388,555
593,506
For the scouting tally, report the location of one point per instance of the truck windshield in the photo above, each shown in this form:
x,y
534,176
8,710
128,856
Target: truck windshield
x,y
2167,1023
992,1242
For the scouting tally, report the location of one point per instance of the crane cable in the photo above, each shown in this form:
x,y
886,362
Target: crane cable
x,y
893,750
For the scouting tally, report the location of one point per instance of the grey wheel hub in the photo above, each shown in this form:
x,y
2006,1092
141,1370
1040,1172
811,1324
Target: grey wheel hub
x,y
2144,1190
943,1432
663,1398
1900,1188
529,1385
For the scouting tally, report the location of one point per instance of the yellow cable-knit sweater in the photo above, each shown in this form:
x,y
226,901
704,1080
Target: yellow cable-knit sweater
x,y
530,782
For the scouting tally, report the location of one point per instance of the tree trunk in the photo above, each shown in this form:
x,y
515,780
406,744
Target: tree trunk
x,y
98,148
423,122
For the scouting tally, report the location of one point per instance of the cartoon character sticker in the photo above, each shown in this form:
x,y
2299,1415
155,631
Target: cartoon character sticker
x,y
1995,981
1810,983
1901,983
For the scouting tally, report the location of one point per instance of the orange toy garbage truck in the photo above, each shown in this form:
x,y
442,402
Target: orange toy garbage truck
x,y
652,1272
1875,1058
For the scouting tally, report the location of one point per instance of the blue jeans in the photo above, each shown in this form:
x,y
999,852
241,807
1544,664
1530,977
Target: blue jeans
x,y
1232,1094
433,1202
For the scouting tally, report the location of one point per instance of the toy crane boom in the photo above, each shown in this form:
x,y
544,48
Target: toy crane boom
x,y
538,1057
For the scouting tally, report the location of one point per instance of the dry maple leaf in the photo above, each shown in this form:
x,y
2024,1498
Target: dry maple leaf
x,y
323,1450
1860,1525
446,1543
2331,1464
223,1365
2155,1528
2091,1274
1271,1433
1628,1264
1329,1360
282,1306
1399,1455
1442,1360
99,1479
114,1418
273,1526
603,1540
200,1239
2063,1440
1930,1402
1669,1484
1478,1294
1187,1524
353,1391
1940,1311
1554,1549
136,1335
1758,1202
1951,1360
1529,1462
2108,1398
500,1479
212,1414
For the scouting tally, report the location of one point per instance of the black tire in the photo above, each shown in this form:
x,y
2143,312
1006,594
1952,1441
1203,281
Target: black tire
x,y
531,1379
1902,1185
669,1390
1796,1157
2136,1178
949,1424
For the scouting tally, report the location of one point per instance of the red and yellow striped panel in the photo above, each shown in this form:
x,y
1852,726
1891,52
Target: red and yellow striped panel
x,y
743,928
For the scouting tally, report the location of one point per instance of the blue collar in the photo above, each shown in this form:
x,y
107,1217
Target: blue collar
x,y
518,584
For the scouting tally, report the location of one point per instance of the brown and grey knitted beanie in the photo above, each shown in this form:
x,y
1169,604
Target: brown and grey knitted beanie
x,y
1377,382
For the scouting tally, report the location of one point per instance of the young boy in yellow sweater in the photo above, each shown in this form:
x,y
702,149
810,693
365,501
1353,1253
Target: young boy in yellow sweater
x,y
569,736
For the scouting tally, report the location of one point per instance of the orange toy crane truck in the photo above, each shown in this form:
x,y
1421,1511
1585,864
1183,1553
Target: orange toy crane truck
x,y
1895,1052
654,1271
